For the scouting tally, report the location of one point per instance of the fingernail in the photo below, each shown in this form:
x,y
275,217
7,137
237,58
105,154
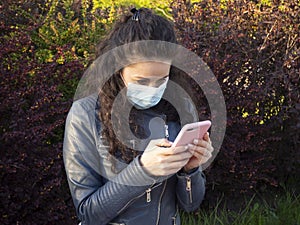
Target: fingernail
x,y
186,147
196,141
190,145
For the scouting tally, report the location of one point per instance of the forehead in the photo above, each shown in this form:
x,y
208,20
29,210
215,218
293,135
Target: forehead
x,y
148,69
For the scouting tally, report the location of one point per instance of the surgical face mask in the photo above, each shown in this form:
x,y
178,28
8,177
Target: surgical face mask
x,y
144,97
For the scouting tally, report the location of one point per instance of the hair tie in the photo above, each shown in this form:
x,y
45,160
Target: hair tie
x,y
136,14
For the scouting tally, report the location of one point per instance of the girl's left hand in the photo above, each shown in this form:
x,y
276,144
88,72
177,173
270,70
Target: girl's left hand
x,y
202,152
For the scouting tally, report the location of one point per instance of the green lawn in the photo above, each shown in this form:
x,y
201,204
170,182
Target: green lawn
x,y
284,210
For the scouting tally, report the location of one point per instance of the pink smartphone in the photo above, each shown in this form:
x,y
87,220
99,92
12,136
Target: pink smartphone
x,y
191,131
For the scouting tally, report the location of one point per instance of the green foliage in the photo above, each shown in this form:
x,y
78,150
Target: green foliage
x,y
159,6
65,25
265,2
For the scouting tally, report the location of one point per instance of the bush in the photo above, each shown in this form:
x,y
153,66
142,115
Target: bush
x,y
42,60
46,45
253,50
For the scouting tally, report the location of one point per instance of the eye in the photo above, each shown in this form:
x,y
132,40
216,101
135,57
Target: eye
x,y
143,81
161,81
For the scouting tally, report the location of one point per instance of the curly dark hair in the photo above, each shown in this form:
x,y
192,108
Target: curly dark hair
x,y
148,27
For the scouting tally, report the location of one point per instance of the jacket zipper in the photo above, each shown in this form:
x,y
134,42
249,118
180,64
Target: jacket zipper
x,y
175,216
128,203
148,191
166,126
159,203
166,132
189,187
148,195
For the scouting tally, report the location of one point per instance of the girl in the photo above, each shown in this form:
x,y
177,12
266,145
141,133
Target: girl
x,y
143,180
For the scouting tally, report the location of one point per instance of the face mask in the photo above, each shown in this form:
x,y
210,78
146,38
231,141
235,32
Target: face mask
x,y
144,97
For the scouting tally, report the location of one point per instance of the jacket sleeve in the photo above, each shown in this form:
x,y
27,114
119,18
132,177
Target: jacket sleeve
x,y
190,189
96,199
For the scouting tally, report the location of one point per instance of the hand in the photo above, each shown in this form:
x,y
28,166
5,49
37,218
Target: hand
x,y
201,150
160,159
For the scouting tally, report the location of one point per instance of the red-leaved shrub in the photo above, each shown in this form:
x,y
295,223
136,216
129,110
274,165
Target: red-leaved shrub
x,y
34,103
253,50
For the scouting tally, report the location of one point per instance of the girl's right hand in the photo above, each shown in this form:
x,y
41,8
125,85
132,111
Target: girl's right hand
x,y
160,159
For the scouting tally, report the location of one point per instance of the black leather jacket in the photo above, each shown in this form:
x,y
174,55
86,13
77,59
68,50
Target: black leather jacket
x,y
129,196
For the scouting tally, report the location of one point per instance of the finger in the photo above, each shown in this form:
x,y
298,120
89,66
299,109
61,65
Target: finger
x,y
200,142
203,156
172,161
211,148
201,150
208,139
203,143
183,156
206,136
164,143
203,160
179,149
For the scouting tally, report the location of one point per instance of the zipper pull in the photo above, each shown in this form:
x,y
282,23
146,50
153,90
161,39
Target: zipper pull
x,y
189,187
148,195
188,184
164,117
166,131
132,142
174,220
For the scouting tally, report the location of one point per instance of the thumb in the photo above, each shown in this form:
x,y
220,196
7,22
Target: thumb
x,y
164,143
153,144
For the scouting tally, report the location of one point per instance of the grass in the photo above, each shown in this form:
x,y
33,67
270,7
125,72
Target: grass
x,y
284,210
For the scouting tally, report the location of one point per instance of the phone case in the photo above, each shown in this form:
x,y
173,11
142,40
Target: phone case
x,y
191,131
